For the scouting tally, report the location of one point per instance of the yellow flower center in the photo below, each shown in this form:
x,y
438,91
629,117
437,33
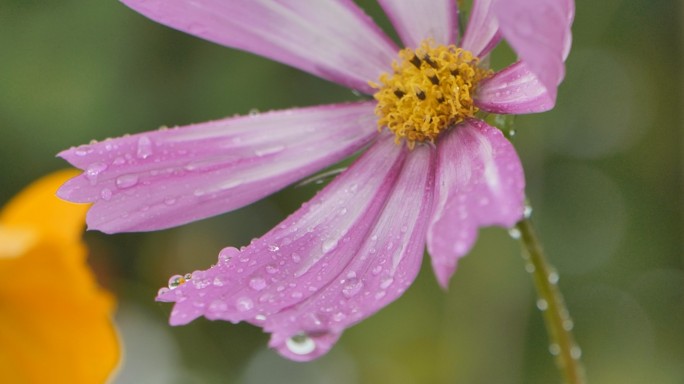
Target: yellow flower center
x,y
430,90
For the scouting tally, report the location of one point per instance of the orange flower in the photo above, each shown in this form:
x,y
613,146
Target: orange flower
x,y
55,321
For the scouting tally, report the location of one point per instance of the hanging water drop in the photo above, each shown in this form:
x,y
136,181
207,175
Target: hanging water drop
x,y
176,281
514,233
575,352
554,349
542,305
527,212
300,344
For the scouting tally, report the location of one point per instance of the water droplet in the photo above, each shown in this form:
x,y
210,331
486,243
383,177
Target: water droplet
x,y
244,304
106,194
527,212
553,277
296,295
576,352
144,147
218,306
254,112
176,281
377,270
386,282
273,248
300,344
554,349
260,317
296,258
352,288
529,267
93,171
514,233
272,269
257,283
227,254
328,245
542,305
162,291
269,150
126,181
568,324
217,281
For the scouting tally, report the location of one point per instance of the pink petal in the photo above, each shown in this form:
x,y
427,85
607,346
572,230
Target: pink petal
x,y
417,20
350,251
539,31
479,183
482,34
170,177
514,90
300,256
331,39
380,271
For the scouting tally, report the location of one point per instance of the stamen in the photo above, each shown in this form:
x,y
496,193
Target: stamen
x,y
416,61
419,102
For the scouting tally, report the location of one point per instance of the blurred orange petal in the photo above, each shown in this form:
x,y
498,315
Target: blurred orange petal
x,y
55,321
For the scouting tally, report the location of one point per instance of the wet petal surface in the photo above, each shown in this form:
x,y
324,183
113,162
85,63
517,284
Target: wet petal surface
x,y
169,177
479,182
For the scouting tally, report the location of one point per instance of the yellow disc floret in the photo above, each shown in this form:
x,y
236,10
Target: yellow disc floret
x,y
430,90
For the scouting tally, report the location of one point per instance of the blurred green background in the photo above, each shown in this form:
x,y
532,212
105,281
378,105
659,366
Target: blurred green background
x,y
604,173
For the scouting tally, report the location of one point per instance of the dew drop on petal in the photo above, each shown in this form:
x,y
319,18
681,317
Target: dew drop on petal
x,y
126,181
273,248
514,233
352,288
106,194
176,281
144,147
386,282
257,283
93,170
300,344
244,304
328,245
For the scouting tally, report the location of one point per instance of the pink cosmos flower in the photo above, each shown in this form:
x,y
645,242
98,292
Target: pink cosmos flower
x,y
432,172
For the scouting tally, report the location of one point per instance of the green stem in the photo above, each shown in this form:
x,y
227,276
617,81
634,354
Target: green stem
x,y
556,316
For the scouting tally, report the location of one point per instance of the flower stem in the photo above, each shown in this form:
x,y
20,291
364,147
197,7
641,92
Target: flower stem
x,y
551,303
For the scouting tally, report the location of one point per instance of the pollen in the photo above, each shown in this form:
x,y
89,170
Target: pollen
x,y
430,90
